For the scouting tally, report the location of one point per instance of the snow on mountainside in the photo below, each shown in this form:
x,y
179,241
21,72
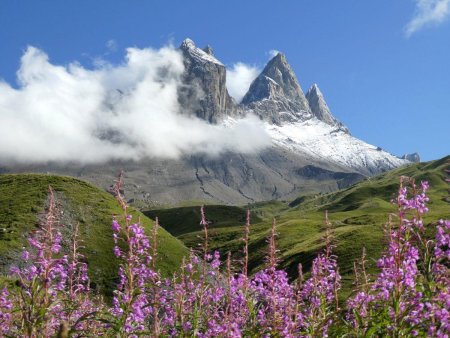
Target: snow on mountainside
x,y
324,142
319,141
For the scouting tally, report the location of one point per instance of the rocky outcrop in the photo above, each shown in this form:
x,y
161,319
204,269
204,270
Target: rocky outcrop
x,y
414,157
319,108
204,92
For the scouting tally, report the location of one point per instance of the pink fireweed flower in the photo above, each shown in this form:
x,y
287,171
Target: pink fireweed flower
x,y
6,306
134,298
401,297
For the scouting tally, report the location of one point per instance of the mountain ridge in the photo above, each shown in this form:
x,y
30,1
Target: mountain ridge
x,y
302,130
276,97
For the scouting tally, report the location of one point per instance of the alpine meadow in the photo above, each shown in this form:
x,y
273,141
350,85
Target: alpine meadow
x,y
293,181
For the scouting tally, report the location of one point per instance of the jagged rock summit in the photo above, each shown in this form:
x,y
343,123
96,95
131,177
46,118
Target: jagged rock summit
x,y
205,93
277,80
276,95
301,123
319,108
203,56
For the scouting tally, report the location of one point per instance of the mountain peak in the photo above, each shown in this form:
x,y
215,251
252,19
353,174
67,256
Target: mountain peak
x,y
315,89
189,48
279,70
279,56
276,95
320,109
205,93
276,80
187,43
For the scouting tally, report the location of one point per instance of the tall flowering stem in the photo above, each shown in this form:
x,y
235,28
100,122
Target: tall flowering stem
x,y
6,317
438,309
41,279
272,253
246,240
155,242
133,298
204,223
409,295
273,294
319,293
80,305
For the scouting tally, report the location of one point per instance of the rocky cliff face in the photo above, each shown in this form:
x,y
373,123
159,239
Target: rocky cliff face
x,y
230,179
204,93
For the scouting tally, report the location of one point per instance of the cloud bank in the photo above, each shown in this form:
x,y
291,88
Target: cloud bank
x,y
127,111
239,79
428,12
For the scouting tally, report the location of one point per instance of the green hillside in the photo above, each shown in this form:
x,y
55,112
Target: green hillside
x,y
357,213
22,202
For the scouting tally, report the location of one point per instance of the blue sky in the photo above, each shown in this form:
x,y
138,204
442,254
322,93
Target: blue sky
x,y
383,66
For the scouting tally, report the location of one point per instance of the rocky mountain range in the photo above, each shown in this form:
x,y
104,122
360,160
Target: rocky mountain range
x,y
311,150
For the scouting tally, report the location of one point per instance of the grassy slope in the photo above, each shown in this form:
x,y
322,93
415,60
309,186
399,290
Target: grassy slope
x,y
358,214
23,198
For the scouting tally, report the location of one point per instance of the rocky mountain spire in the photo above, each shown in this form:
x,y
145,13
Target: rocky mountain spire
x,y
276,90
319,108
204,92
276,80
208,50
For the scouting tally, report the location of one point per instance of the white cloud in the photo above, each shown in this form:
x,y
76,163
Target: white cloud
x,y
127,111
428,12
239,79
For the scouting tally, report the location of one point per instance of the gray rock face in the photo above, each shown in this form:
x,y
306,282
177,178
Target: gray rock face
x,y
414,157
276,80
208,50
276,95
204,93
319,108
229,179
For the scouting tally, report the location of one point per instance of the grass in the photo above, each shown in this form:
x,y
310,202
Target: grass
x,y
22,203
357,213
